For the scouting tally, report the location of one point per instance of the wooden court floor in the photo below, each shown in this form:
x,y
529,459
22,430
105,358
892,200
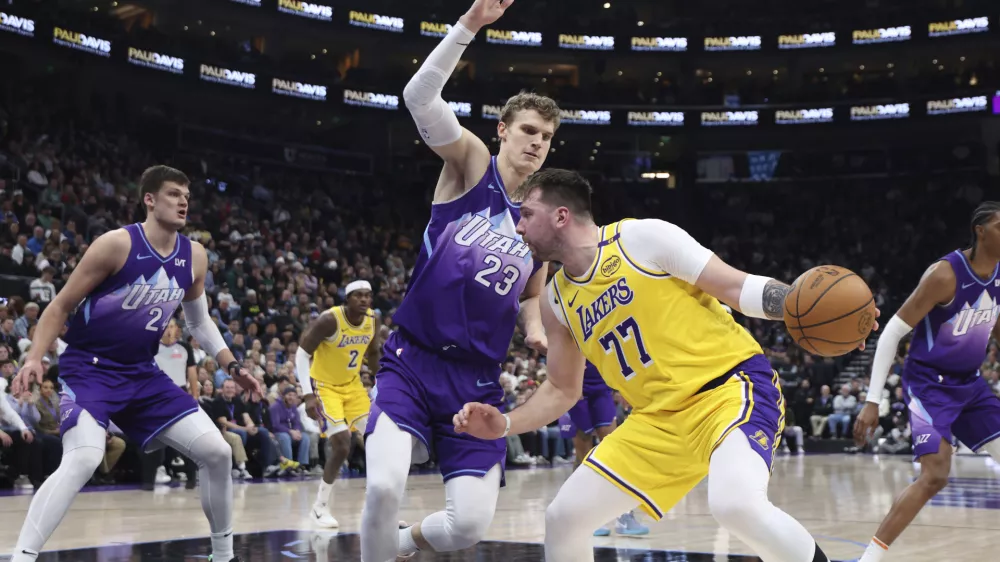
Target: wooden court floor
x,y
839,498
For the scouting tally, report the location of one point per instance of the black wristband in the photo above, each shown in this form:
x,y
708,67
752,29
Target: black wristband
x,y
233,368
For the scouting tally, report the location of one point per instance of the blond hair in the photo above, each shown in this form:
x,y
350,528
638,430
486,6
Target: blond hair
x,y
527,101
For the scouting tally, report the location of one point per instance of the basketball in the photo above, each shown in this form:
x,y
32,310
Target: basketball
x,y
829,311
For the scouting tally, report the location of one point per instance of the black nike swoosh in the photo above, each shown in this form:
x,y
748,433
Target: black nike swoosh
x,y
570,303
465,44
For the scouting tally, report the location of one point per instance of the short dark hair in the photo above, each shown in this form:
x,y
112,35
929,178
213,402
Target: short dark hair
x,y
154,177
564,188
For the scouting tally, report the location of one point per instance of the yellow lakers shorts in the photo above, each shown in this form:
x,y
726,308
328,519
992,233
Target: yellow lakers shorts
x,y
658,458
344,407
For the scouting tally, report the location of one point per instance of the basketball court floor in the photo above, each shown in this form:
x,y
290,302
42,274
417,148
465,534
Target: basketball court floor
x,y
839,498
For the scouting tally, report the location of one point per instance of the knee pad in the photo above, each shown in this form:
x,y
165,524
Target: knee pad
x,y
210,450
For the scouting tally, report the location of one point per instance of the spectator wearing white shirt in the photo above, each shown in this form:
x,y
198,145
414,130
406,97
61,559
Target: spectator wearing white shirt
x,y
17,254
19,441
42,290
844,405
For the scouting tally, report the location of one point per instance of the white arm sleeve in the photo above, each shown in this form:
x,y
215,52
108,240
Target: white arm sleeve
x,y
202,327
435,120
302,363
658,245
885,354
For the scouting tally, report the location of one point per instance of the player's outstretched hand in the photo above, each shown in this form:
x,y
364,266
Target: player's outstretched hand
x,y
485,12
246,381
874,328
480,420
30,373
864,426
538,342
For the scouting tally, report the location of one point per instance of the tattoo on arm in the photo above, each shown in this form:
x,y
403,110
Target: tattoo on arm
x,y
774,299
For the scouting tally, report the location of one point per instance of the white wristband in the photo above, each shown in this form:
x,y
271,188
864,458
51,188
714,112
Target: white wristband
x,y
507,429
752,296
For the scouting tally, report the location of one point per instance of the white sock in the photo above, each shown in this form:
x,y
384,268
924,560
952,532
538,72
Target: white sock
x,y
406,543
875,551
222,546
242,466
24,555
325,495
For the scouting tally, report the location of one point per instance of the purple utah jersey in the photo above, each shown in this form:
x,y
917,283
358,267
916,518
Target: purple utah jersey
x,y
464,296
954,337
108,368
124,318
941,384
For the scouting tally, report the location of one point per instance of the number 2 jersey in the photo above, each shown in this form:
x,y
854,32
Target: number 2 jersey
x,y
639,318
124,318
338,359
464,296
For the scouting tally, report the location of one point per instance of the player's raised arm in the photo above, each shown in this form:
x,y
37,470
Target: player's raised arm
x,y
374,352
936,287
466,157
104,258
319,329
203,328
560,391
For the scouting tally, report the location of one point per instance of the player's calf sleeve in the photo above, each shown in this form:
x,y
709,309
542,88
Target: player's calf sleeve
x,y
196,437
737,498
470,504
387,452
83,452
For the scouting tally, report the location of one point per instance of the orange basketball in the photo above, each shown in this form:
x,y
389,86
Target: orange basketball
x,y
829,311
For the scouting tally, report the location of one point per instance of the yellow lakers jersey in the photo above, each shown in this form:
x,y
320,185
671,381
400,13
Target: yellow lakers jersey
x,y
338,358
654,337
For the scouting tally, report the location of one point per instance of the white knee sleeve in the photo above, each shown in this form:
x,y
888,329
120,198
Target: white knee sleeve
x,y
387,453
585,502
737,498
83,451
471,502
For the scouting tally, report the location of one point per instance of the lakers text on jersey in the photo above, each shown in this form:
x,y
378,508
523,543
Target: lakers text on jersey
x,y
692,374
336,372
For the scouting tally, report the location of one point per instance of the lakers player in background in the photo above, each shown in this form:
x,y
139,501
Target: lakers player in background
x,y
640,299
331,352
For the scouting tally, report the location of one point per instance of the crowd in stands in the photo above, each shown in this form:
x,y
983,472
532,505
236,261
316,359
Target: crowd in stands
x,y
282,248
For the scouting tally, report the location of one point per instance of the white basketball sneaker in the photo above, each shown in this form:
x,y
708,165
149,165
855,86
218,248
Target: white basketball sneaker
x,y
321,517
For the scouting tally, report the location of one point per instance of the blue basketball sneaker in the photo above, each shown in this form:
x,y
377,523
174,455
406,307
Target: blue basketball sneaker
x,y
628,525
602,532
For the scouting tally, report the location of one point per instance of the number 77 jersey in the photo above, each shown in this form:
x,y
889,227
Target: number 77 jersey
x,y
464,295
655,337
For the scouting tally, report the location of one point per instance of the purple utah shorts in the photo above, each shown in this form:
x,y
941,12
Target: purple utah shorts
x,y
943,404
596,409
421,392
141,399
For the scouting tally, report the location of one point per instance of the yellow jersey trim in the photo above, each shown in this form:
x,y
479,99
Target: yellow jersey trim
x,y
648,505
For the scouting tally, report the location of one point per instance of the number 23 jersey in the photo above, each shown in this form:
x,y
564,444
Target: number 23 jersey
x,y
464,296
638,316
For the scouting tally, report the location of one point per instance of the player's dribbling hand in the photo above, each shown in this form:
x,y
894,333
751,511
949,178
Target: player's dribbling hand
x,y
31,372
538,342
484,12
864,426
480,420
874,328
